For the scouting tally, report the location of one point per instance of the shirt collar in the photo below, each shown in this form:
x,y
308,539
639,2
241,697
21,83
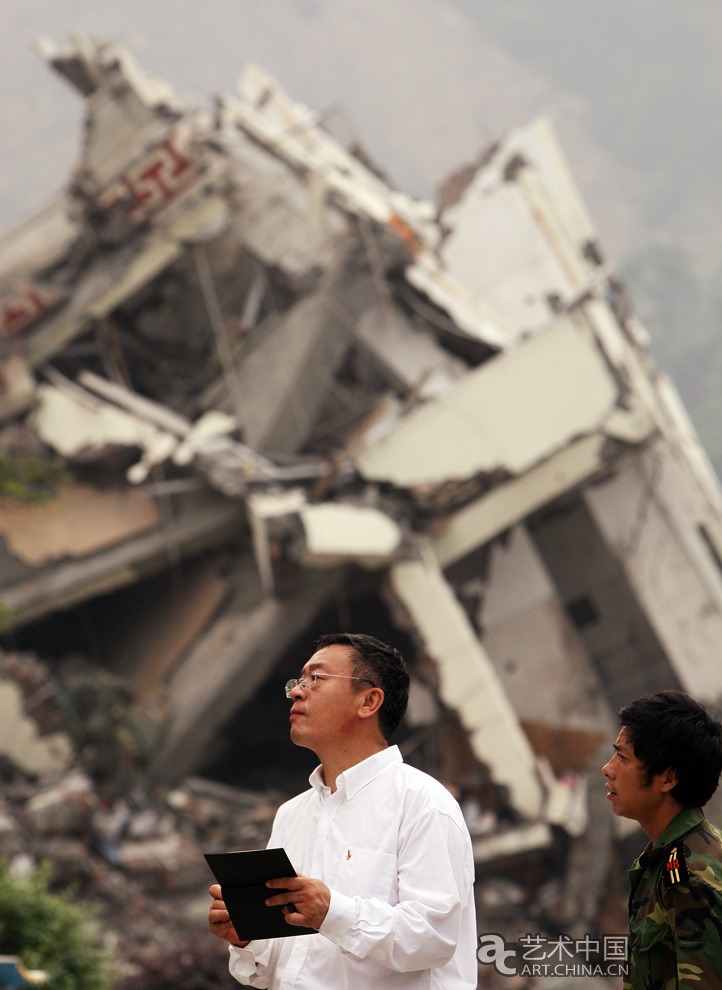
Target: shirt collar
x,y
682,823
679,826
352,780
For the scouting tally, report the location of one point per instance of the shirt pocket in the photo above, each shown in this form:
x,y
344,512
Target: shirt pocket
x,y
365,873
653,956
647,934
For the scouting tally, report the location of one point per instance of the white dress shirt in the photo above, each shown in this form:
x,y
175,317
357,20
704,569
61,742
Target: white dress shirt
x,y
392,846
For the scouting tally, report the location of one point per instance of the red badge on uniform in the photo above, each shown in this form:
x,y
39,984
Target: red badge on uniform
x,y
676,869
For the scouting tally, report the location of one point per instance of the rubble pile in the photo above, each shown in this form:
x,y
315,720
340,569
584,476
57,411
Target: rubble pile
x,y
136,861
248,387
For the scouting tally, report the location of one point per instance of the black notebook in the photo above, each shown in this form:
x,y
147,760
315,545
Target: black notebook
x,y
242,876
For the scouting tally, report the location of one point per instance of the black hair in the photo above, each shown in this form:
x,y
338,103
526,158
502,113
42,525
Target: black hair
x,y
381,664
670,729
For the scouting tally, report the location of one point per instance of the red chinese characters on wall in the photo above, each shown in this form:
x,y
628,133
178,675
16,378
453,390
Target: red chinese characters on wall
x,y
24,306
146,188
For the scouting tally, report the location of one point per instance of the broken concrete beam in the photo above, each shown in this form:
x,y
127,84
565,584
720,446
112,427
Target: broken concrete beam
x,y
506,416
39,243
334,533
73,421
543,666
77,521
153,412
281,386
252,396
338,533
695,475
78,424
202,521
468,682
118,275
228,664
507,504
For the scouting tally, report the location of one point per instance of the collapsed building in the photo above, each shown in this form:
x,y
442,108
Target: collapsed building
x,y
249,390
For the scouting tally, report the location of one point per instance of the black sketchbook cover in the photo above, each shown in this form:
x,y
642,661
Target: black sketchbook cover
x,y
242,876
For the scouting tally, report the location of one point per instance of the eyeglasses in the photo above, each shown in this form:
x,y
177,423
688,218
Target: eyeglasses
x,y
309,681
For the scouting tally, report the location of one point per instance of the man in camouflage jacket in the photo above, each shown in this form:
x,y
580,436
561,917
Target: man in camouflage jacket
x,y
667,764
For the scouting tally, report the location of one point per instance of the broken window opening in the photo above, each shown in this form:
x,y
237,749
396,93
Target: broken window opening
x,y
582,611
620,641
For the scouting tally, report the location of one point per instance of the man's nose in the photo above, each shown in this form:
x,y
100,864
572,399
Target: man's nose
x,y
607,769
297,691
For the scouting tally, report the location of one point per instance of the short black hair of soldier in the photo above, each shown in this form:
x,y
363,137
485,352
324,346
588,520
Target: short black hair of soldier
x,y
384,666
670,729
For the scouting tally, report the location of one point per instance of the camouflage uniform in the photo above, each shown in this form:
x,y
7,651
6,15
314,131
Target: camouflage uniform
x,y
675,909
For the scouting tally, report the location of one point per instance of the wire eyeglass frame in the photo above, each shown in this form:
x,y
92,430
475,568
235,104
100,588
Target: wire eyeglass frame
x,y
303,682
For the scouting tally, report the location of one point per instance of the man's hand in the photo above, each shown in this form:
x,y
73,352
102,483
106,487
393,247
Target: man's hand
x,y
305,900
220,920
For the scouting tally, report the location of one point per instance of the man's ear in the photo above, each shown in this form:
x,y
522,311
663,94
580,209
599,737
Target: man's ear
x,y
669,779
371,702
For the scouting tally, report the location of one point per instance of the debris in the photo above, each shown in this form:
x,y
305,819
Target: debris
x,y
78,521
65,808
513,842
20,741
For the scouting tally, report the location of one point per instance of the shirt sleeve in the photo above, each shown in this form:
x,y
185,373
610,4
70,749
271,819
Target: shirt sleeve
x,y
254,965
435,883
698,936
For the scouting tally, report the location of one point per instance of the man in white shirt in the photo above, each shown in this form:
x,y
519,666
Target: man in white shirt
x,y
386,871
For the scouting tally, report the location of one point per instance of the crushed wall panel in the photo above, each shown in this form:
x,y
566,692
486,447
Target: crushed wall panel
x,y
676,580
527,634
608,615
508,415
